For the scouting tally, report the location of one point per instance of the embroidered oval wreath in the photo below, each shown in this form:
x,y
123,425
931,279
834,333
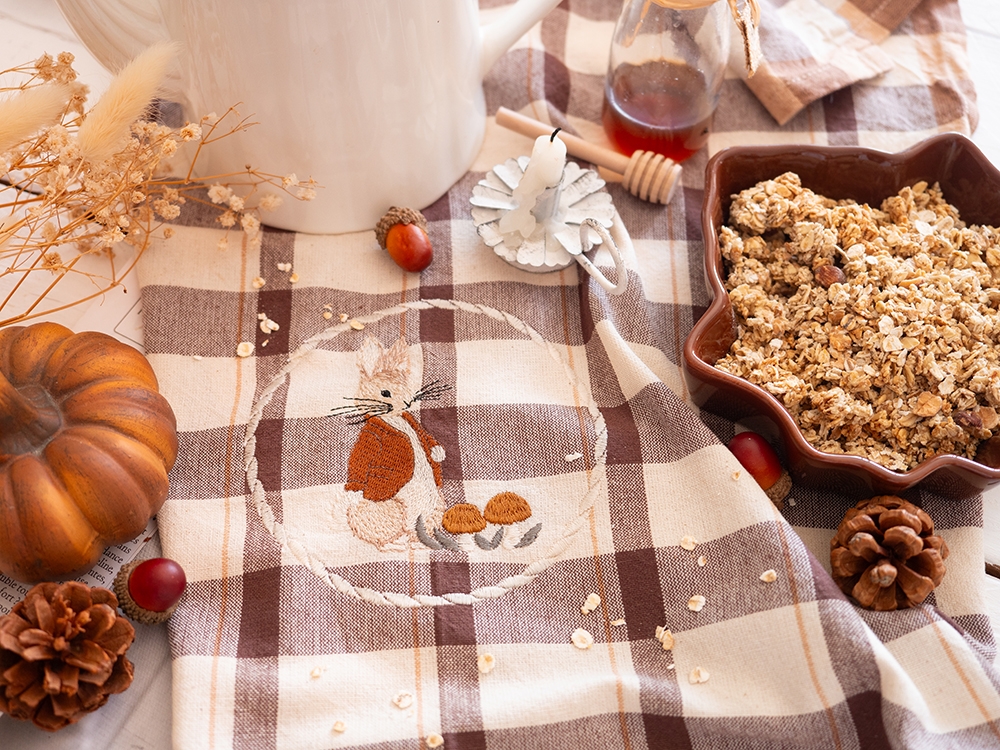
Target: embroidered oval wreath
x,y
392,504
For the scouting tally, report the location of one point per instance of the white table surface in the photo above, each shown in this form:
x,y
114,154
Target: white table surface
x,y
140,719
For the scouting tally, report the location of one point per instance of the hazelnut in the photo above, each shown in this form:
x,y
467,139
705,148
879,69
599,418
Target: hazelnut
x,y
829,274
968,420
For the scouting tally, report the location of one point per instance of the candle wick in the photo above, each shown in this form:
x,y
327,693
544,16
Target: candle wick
x,y
554,133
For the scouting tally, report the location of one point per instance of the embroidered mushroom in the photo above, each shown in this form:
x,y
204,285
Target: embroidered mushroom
x,y
508,509
461,520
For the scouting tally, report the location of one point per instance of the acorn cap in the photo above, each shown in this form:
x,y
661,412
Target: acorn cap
x,y
778,491
507,507
463,518
398,215
127,604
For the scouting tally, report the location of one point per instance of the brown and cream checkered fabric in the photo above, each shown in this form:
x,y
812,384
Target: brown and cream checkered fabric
x,y
308,624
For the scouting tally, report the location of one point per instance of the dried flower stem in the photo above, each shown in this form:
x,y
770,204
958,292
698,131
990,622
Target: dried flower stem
x,y
80,182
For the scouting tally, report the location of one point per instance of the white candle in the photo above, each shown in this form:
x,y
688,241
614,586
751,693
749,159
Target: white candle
x,y
544,170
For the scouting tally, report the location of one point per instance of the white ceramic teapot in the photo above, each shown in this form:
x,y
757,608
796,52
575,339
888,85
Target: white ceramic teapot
x,y
380,101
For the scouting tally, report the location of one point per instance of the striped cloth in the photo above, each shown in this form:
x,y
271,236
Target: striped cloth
x,y
318,617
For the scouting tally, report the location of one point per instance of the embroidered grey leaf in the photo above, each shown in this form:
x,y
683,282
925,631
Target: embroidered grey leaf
x,y
482,543
529,536
423,536
447,540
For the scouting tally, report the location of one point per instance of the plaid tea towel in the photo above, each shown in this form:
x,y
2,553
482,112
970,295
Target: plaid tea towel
x,y
464,506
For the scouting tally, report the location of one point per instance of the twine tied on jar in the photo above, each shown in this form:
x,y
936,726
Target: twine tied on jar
x,y
746,18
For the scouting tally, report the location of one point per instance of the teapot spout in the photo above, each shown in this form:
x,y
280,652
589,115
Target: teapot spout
x,y
499,35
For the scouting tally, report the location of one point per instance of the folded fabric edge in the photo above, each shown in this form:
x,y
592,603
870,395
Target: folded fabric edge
x,y
873,19
786,88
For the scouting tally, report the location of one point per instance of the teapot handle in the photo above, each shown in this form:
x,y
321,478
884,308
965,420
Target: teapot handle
x,y
115,31
499,35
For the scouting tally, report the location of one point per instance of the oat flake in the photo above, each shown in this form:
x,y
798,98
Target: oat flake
x,y
245,349
327,315
486,662
257,282
769,576
593,602
618,623
339,727
689,543
316,673
698,674
582,639
434,740
403,700
665,637
702,561
696,603
357,325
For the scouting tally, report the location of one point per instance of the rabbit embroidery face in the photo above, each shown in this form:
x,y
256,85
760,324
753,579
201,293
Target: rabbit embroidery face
x,y
385,376
386,384
395,464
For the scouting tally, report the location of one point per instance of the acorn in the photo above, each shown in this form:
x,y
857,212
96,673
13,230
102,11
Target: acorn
x,y
402,232
149,591
757,456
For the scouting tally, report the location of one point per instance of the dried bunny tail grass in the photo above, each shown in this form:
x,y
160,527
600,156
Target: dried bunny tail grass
x,y
29,110
126,100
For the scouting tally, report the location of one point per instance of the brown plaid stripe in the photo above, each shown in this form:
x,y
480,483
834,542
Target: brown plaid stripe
x,y
573,399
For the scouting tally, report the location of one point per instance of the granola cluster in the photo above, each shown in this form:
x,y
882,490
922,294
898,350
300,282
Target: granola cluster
x,y
877,328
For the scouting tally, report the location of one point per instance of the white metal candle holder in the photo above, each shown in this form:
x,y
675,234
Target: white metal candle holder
x,y
570,218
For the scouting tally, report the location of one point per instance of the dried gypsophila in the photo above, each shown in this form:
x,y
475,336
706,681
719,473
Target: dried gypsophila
x,y
79,183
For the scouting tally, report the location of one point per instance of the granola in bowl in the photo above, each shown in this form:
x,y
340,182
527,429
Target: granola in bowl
x,y
876,328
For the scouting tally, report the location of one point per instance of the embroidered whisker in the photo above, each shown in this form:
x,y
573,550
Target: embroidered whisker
x,y
430,392
363,416
365,410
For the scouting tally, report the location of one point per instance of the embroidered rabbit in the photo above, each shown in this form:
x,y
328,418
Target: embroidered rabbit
x,y
395,465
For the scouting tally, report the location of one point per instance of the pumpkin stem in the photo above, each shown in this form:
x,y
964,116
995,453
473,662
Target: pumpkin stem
x,y
16,409
28,417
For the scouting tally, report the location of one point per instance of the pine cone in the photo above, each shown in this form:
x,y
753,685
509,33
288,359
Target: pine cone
x,y
886,554
62,653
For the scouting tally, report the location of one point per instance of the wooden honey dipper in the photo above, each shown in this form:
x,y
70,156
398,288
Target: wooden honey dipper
x,y
647,175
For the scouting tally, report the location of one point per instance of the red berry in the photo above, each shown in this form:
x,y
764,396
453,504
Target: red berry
x,y
757,456
157,584
409,246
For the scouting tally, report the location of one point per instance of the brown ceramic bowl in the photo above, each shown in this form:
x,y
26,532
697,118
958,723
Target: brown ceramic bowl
x,y
969,182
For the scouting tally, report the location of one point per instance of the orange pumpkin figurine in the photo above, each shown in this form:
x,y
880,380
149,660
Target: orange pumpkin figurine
x,y
86,442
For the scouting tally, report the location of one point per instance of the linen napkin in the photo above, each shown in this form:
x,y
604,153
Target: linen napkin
x,y
323,611
812,48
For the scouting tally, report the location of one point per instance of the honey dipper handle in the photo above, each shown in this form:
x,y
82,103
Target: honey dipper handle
x,y
581,149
